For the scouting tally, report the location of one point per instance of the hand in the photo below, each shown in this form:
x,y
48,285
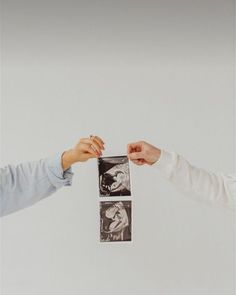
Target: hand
x,y
86,148
142,153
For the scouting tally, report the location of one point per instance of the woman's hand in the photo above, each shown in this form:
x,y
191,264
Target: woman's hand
x,y
85,149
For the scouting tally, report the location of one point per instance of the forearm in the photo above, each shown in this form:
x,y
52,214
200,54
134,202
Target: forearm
x,y
18,198
68,159
195,182
25,184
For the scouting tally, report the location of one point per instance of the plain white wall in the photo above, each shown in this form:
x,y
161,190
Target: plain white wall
x,y
162,72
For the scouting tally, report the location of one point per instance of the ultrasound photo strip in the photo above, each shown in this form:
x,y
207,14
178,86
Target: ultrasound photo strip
x,y
115,221
114,176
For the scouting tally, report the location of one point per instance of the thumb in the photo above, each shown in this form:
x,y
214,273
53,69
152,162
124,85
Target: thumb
x,y
136,156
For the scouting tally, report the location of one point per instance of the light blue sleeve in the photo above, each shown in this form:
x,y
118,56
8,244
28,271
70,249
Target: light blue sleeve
x,y
25,184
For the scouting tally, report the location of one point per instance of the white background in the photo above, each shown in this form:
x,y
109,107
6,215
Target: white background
x,y
152,73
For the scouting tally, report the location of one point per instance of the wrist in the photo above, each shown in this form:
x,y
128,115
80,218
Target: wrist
x,y
67,159
157,156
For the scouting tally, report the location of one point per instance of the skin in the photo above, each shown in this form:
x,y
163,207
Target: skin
x,y
141,153
85,149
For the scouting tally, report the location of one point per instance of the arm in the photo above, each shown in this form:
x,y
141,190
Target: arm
x,y
197,183
25,184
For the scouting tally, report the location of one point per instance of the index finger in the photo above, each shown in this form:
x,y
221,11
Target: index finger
x,y
134,147
99,141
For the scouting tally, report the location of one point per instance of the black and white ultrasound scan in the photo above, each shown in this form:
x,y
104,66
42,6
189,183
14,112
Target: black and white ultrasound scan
x,y
114,176
115,221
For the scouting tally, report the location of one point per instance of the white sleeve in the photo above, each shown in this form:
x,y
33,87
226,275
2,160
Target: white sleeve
x,y
197,183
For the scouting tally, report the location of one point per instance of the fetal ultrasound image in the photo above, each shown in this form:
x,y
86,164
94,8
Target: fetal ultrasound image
x,y
115,221
114,176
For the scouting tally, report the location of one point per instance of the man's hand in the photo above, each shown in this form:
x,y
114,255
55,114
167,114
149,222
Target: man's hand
x,y
142,153
84,150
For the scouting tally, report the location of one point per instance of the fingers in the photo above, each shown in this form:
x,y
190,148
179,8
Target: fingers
x,y
86,148
92,153
131,148
136,156
136,153
99,140
135,147
139,162
139,152
95,143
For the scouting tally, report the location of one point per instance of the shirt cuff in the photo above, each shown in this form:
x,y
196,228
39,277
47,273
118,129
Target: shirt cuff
x,y
166,163
57,176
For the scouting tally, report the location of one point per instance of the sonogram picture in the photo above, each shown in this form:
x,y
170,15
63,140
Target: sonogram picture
x,y
114,176
115,221
116,206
